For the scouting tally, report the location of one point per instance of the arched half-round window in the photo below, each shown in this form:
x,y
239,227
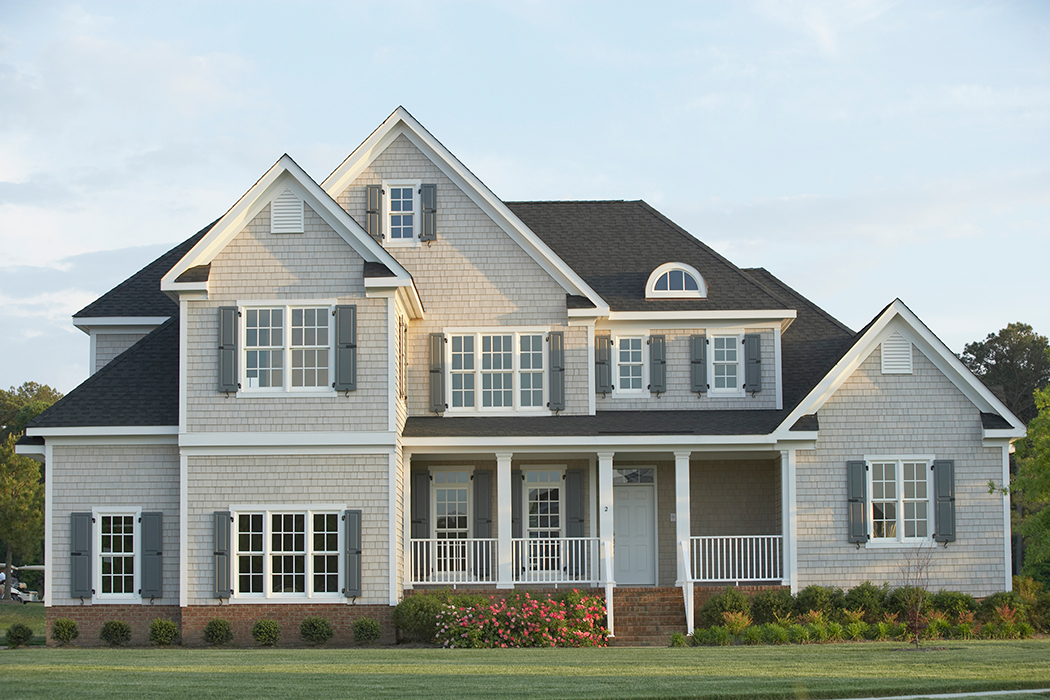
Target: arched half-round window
x,y
675,280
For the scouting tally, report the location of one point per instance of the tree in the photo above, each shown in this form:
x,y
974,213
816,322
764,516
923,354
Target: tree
x,y
20,405
1032,484
21,505
1015,359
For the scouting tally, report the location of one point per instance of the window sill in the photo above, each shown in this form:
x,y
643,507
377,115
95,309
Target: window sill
x,y
400,242
335,598
459,412
104,599
912,543
280,393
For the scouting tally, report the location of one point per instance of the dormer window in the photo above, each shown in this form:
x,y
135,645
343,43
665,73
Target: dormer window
x,y
675,280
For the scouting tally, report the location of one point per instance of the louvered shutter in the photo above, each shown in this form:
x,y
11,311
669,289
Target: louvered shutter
x,y
286,213
345,348
944,500
437,372
697,363
353,554
221,557
857,485
152,555
428,196
602,364
228,349
482,503
657,364
557,372
515,503
372,211
80,555
420,505
753,362
577,563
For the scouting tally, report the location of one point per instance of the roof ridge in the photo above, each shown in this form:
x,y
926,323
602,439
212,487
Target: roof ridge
x,y
570,201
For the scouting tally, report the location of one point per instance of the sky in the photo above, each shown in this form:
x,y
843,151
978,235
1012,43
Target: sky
x,y
859,150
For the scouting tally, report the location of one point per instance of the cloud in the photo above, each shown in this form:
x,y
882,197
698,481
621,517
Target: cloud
x,y
823,22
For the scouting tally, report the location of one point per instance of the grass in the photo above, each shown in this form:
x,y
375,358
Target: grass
x,y
815,671
31,614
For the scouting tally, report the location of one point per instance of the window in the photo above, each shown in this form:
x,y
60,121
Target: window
x,y
117,538
899,505
675,280
497,371
402,212
280,337
543,503
725,370
630,365
287,553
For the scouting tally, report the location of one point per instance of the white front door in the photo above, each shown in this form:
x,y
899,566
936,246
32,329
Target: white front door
x,y
634,536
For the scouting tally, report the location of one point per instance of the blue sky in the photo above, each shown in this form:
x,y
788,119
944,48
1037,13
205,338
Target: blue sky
x,y
860,151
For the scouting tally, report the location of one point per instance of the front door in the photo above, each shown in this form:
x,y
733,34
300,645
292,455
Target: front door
x,y
634,536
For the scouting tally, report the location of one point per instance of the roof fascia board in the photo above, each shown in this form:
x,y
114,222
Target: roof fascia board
x,y
401,122
592,442
285,172
319,438
104,431
996,436
929,344
36,452
117,324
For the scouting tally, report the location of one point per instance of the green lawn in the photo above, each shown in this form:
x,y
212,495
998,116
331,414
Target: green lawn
x,y
814,671
31,614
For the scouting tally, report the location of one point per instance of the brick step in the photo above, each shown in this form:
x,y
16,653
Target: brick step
x,y
647,616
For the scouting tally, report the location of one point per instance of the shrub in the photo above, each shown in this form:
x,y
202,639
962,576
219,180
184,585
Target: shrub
x,y
857,615
523,621
988,611
416,615
856,630
64,630
729,600
366,630
1039,614
770,606
827,599
314,629
163,632
836,631
753,635
937,625
115,633
902,601
678,640
953,604
798,634
818,631
964,630
19,635
218,632
774,633
868,598
266,632
881,631
736,622
713,637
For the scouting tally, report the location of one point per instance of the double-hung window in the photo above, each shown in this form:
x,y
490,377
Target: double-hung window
x,y
725,355
899,505
497,371
287,348
631,370
290,552
118,538
543,507
401,217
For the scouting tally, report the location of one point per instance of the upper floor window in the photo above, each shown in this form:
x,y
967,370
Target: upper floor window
x,y
497,371
675,280
725,363
630,365
283,338
402,212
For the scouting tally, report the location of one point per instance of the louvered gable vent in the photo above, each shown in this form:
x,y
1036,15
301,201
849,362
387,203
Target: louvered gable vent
x,y
286,213
896,354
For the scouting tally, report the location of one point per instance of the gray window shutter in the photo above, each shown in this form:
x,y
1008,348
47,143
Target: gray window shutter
x,y
515,503
429,205
223,584
437,372
657,364
152,555
557,371
753,362
345,348
420,505
228,348
602,364
857,486
574,503
698,363
353,554
944,500
372,212
482,503
80,555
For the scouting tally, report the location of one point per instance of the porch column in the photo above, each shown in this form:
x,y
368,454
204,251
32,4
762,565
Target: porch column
x,y
789,511
505,574
683,528
605,501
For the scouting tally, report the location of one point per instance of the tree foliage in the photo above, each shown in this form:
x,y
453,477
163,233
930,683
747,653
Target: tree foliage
x,y
1016,359
21,503
1032,484
19,405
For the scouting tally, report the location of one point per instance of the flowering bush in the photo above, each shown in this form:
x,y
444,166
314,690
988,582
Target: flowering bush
x,y
577,620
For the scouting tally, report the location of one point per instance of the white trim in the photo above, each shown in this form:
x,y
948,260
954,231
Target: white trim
x,y
401,122
392,364
49,531
287,450
37,452
538,443
92,352
105,431
900,540
184,334
184,529
287,307
406,519
391,532
591,379
643,390
417,213
1007,534
118,324
383,439
789,495
504,510
295,226
778,364
898,316
478,334
98,597
469,470
776,316
652,293
741,363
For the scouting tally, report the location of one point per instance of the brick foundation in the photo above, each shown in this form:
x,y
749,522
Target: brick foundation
x,y
191,621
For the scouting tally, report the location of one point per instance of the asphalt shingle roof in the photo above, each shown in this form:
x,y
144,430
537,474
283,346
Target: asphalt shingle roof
x,y
140,295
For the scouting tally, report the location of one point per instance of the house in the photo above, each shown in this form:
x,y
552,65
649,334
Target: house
x,y
392,380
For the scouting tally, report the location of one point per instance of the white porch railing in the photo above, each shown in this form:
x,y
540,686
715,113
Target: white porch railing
x,y
736,559
556,560
454,561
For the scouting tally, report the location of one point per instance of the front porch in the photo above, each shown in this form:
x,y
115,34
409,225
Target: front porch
x,y
605,519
